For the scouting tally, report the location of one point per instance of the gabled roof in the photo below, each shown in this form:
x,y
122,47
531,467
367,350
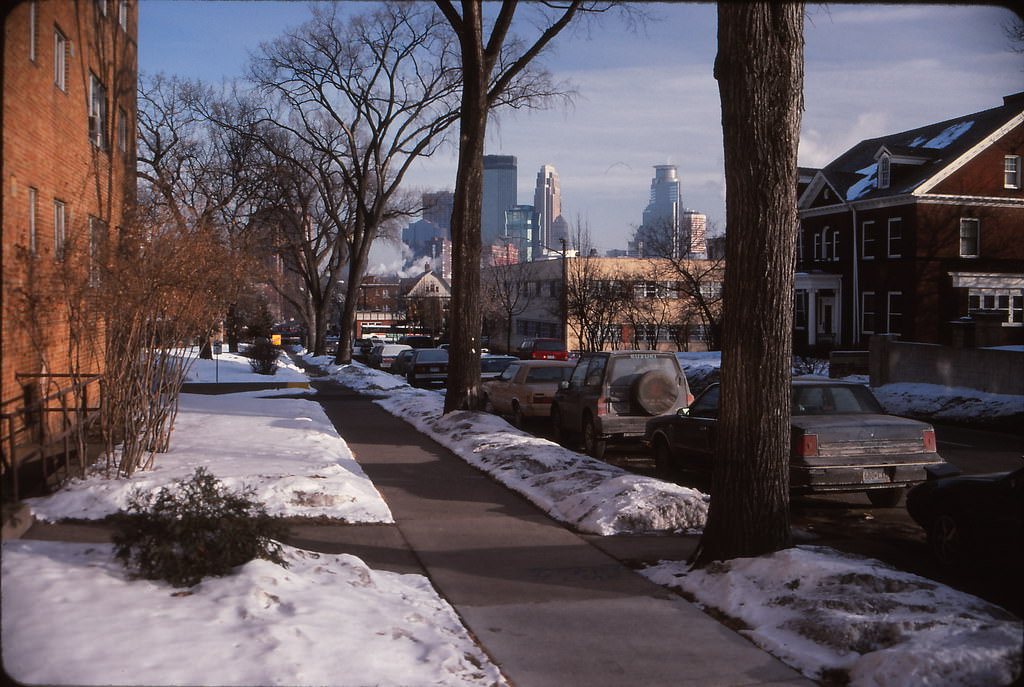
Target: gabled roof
x,y
917,155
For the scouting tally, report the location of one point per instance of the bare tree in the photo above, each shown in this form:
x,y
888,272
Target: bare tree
x,y
506,294
760,77
370,94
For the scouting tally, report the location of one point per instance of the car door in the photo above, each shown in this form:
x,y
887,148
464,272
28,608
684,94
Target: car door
x,y
570,400
694,434
500,390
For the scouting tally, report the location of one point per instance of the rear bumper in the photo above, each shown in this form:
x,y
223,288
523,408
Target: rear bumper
x,y
630,427
844,478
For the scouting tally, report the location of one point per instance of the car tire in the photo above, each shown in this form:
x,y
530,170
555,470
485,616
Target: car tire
x,y
593,445
654,392
885,498
664,465
945,537
517,415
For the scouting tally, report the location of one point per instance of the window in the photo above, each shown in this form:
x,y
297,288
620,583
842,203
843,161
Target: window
x,y
800,244
1009,302
122,132
895,312
1011,171
826,244
835,245
817,246
60,54
97,112
59,235
884,171
867,312
894,238
33,196
867,241
800,310
32,18
970,230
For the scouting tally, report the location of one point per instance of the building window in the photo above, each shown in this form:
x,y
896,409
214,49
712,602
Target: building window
x,y
122,129
60,61
817,245
970,230
826,244
800,310
867,241
33,197
894,238
867,312
32,19
884,171
97,112
1011,171
59,231
895,312
1009,302
835,245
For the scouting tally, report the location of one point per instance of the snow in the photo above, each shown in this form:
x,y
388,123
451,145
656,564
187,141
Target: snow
x,y
332,620
949,134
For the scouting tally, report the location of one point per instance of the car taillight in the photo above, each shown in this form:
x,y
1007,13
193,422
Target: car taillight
x,y
689,400
602,406
805,445
929,440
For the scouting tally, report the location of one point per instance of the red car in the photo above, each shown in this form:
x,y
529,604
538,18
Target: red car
x,y
543,349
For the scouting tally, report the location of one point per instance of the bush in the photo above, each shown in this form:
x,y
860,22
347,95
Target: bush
x,y
263,357
197,529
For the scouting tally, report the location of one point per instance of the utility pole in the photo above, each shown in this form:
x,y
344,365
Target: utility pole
x,y
565,293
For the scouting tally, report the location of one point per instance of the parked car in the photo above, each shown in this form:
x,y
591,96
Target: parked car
x,y
417,341
383,355
842,441
493,365
611,395
542,349
363,347
972,519
400,365
526,388
428,366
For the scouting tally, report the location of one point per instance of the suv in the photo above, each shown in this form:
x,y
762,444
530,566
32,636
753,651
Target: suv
x,y
542,349
612,394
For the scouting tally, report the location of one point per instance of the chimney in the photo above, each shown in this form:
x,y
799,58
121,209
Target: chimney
x,y
1014,99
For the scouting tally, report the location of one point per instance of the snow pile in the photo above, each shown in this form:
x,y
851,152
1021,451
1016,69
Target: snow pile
x,y
233,367
284,448
950,404
839,617
325,620
591,495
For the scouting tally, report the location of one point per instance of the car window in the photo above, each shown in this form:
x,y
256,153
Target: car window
x,y
595,372
579,373
426,355
707,403
548,346
828,399
547,374
494,364
509,372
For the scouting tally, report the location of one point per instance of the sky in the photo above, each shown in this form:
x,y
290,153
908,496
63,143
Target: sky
x,y
853,616
646,96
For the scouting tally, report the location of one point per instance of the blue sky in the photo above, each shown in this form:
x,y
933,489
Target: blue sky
x,y
648,97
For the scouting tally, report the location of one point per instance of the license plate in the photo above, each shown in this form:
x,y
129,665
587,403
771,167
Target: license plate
x,y
435,369
875,475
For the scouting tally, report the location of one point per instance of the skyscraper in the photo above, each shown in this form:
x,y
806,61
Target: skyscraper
x,y
547,203
500,180
437,208
668,228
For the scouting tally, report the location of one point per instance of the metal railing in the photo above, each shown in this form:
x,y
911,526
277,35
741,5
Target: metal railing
x,y
52,429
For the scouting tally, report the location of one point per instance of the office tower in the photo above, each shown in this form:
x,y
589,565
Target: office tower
x,y
500,179
547,203
694,227
520,230
437,208
669,229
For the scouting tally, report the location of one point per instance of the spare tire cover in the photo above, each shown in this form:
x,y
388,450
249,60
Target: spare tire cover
x,y
655,392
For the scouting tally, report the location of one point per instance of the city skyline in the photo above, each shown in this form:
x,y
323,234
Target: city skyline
x,y
870,71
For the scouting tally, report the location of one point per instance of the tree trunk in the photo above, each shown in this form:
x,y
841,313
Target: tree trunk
x,y
760,77
465,312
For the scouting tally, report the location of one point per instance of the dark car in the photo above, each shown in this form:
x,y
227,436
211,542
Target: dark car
x,y
841,441
417,341
611,395
972,519
429,366
542,349
493,365
400,365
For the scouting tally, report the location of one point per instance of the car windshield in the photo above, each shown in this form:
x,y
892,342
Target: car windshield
x,y
548,374
833,399
548,346
432,356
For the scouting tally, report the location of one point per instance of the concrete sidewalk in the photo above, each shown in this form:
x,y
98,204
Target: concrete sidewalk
x,y
551,607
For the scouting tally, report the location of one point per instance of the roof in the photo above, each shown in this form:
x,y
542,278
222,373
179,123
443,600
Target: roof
x,y
917,155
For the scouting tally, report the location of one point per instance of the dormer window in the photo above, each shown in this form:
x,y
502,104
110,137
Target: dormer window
x,y
884,170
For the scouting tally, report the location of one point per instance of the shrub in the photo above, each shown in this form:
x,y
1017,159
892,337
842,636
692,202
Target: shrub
x,y
196,529
263,357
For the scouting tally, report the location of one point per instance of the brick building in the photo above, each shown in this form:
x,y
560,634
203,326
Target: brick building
x,y
69,93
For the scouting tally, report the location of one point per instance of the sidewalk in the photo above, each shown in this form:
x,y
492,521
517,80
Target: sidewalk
x,y
549,606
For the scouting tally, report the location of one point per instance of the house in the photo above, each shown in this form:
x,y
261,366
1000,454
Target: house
x,y
69,122
425,299
909,233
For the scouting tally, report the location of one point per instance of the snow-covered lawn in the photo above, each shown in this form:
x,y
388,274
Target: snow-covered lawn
x,y
329,619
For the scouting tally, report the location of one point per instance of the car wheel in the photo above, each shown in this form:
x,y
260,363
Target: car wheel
x,y
884,498
593,445
517,415
664,466
945,538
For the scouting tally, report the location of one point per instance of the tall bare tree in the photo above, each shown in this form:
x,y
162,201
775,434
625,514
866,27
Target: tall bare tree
x,y
506,294
760,78
371,94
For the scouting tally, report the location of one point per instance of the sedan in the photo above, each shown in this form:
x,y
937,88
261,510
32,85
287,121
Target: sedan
x,y
428,366
526,388
383,355
972,518
400,365
842,441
